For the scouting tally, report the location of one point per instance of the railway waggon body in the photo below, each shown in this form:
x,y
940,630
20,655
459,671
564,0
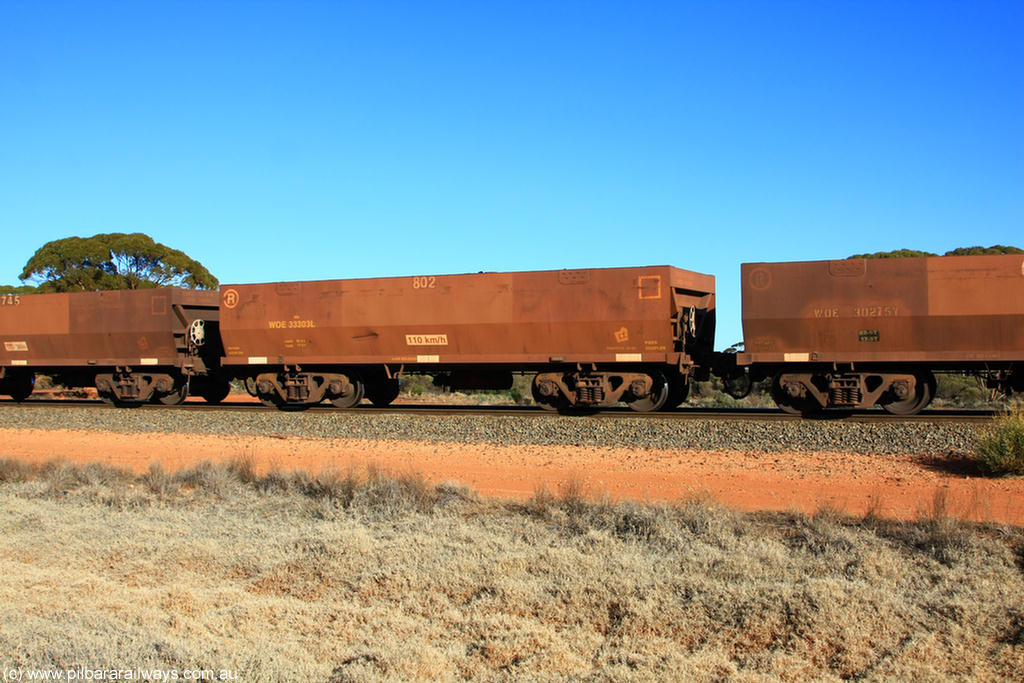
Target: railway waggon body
x,y
592,337
132,345
828,334
859,332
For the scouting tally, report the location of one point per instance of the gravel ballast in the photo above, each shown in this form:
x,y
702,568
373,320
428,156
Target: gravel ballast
x,y
647,432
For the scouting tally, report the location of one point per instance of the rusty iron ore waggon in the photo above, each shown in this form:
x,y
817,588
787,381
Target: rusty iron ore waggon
x,y
859,332
132,345
590,338
828,335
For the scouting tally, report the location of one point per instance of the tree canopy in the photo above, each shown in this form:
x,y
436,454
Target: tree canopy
x,y
17,289
960,251
994,249
899,253
113,261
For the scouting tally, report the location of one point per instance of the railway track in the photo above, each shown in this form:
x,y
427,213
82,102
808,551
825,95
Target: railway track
x,y
938,415
698,429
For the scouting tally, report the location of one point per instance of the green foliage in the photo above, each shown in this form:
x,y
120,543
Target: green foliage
x,y
899,253
960,251
423,385
417,385
994,249
522,389
1000,447
113,261
962,390
17,289
712,394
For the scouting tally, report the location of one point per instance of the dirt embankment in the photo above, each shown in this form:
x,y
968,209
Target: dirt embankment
x,y
903,487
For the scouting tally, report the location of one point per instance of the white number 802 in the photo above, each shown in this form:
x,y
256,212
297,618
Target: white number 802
x,y
424,282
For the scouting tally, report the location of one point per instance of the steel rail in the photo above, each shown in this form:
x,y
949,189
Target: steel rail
x,y
532,411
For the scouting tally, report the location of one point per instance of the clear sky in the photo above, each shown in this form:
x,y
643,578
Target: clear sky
x,y
311,140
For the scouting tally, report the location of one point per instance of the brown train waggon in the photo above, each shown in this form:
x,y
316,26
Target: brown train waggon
x,y
859,332
132,345
591,337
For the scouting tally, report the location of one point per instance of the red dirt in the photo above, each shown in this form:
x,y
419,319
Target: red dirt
x,y
902,487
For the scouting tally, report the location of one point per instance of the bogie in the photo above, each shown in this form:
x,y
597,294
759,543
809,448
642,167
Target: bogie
x,y
643,391
807,393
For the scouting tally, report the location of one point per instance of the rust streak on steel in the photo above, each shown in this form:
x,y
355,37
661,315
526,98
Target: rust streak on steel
x,y
948,310
596,315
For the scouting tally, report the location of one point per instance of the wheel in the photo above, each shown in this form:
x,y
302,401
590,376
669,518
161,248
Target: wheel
x,y
271,400
794,405
174,398
20,387
107,394
111,397
353,396
738,386
553,403
911,405
216,390
654,400
678,390
382,392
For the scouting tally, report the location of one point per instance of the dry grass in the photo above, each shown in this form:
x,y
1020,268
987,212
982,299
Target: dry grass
x,y
369,576
1000,447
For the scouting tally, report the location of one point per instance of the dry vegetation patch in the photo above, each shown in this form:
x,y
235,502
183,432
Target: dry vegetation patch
x,y
999,449
364,576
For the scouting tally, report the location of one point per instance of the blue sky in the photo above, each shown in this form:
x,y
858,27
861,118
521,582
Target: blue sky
x,y
310,140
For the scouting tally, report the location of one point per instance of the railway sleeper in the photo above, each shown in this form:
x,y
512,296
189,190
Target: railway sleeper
x,y
644,391
900,393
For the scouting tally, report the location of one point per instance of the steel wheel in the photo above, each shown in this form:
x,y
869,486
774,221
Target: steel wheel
x,y
678,390
911,405
654,400
351,397
382,392
250,386
174,398
216,390
738,386
794,405
552,403
271,400
20,387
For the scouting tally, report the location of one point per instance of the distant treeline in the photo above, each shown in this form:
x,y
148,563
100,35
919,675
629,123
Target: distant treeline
x,y
962,251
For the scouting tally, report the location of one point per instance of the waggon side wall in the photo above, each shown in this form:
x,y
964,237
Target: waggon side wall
x,y
86,329
943,310
595,315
